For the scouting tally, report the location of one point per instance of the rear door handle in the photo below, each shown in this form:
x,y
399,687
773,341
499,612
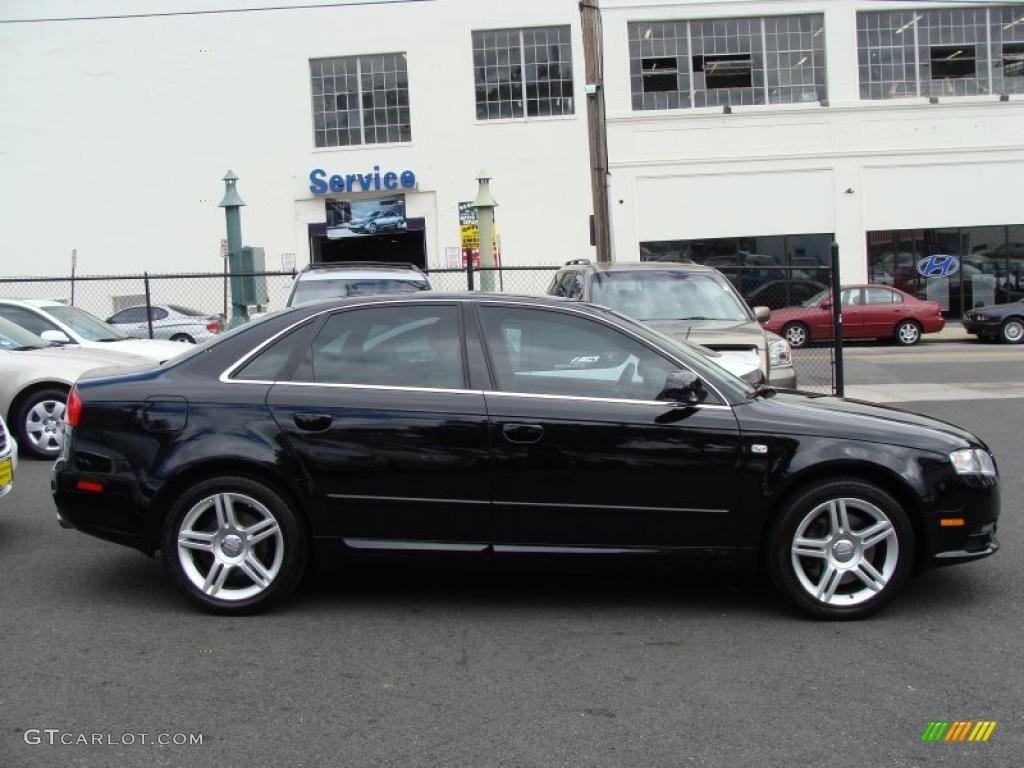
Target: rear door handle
x,y
522,433
313,422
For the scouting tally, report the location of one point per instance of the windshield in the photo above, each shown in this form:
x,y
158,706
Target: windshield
x,y
815,300
15,337
85,325
668,295
318,290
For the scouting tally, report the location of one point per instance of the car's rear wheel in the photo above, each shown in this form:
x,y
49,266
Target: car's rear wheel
x,y
908,333
1012,331
234,545
183,337
39,422
841,549
797,334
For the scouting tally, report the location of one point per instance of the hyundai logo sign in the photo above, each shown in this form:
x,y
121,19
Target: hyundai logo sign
x,y
938,266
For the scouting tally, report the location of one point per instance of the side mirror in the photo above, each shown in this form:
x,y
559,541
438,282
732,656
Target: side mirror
x,y
762,314
683,387
55,337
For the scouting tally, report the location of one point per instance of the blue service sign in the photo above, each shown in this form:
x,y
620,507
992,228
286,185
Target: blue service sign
x,y
939,265
375,181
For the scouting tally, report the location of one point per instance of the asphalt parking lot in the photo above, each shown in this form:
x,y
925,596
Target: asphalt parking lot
x,y
438,669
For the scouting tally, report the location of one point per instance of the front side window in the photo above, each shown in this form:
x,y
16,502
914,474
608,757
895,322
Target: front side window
x,y
130,315
553,353
771,60
26,319
941,52
360,100
668,295
85,325
523,72
405,346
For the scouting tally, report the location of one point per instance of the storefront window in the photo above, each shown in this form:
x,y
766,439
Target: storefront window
x,y
773,271
986,266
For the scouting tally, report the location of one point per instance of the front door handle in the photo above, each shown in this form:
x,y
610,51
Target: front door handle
x,y
313,422
522,433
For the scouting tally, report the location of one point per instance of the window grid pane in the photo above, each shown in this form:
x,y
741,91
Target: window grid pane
x,y
1007,32
360,100
779,59
523,72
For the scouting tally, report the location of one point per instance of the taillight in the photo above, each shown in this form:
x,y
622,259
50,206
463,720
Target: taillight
x,y
213,326
73,409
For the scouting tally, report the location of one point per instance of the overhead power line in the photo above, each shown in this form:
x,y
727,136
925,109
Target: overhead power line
x,y
211,11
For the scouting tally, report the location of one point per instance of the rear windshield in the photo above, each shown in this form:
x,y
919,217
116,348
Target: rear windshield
x,y
318,290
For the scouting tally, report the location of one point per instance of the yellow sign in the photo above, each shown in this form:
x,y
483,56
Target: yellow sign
x,y
5,472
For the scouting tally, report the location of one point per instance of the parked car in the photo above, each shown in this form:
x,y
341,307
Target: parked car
x,y
869,312
34,380
999,321
382,220
8,458
170,321
337,280
688,301
779,294
489,428
62,324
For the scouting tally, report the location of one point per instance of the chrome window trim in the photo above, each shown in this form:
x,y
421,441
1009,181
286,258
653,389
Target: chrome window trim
x,y
619,400
442,299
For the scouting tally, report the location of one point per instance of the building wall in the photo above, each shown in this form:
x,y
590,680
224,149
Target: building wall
x,y
115,133
846,168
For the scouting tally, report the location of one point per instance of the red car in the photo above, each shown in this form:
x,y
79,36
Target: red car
x,y
869,312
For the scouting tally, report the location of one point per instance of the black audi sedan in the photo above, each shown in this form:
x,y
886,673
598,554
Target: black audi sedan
x,y
493,430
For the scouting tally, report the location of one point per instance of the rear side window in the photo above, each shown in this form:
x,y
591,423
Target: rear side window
x,y
271,362
404,346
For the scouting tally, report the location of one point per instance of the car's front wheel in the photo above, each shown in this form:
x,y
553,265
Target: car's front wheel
x,y
797,334
841,549
1012,331
38,421
234,545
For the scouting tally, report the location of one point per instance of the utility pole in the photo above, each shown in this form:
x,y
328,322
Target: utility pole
x,y
597,135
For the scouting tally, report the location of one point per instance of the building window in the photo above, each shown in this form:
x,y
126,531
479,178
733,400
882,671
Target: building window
x,y
683,64
941,52
523,72
360,100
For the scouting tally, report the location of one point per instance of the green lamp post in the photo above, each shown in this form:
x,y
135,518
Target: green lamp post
x,y
231,205
485,205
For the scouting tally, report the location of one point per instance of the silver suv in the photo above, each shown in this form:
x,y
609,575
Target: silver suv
x,y
689,302
340,279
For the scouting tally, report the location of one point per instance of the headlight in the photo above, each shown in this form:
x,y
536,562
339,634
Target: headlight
x,y
972,461
780,355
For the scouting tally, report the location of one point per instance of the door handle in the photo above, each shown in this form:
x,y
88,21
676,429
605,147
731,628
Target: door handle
x,y
522,433
313,422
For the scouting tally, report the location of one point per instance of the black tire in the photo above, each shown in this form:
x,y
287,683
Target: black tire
x,y
1012,331
371,228
30,444
797,334
908,333
292,542
183,337
782,562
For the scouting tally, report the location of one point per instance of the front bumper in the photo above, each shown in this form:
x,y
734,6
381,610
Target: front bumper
x,y
782,378
975,500
982,327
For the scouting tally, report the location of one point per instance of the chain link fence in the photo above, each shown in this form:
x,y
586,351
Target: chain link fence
x,y
795,296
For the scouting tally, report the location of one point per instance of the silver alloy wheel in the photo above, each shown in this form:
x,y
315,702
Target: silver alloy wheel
x,y
230,546
845,551
796,335
909,333
44,426
1013,331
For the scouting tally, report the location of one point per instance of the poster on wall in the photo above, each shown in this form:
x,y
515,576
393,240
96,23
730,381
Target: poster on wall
x,y
359,218
469,230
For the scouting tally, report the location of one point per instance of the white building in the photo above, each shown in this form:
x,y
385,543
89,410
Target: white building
x,y
740,132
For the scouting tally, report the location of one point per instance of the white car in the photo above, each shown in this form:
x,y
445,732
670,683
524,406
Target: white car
x,y
338,279
35,377
169,321
62,324
8,458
